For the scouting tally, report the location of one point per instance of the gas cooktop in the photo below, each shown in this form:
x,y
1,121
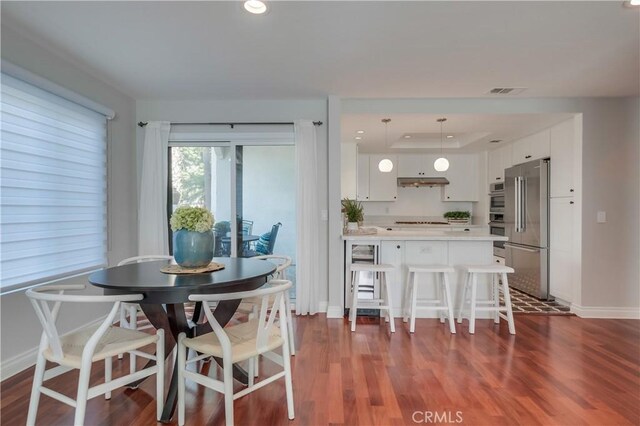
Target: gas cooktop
x,y
420,223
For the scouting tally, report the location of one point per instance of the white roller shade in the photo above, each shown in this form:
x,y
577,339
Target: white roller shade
x,y
53,181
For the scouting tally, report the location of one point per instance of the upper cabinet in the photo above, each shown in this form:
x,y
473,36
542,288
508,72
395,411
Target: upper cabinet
x,y
498,161
463,178
415,166
562,157
374,185
533,147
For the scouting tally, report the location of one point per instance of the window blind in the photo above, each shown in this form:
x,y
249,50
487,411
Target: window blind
x,y
53,183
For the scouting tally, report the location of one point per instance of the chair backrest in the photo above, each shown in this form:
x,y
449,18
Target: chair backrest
x,y
42,297
282,263
274,235
272,308
247,226
145,258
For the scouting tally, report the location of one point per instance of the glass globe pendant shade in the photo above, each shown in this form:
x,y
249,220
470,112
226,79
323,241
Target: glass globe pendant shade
x,y
441,164
386,165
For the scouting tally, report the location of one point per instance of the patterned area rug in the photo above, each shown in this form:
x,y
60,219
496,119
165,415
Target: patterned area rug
x,y
522,303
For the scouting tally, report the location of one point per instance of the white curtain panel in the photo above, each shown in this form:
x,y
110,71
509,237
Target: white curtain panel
x,y
153,235
307,217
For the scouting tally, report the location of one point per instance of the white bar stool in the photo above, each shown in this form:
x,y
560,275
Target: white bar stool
x,y
384,303
442,304
471,283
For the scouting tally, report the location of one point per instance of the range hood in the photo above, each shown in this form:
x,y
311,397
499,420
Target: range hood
x,y
417,182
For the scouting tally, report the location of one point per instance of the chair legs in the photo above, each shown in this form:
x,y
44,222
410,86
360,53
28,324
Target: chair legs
x,y
160,374
38,378
354,299
292,340
228,391
507,301
288,383
107,375
389,303
133,325
182,360
83,392
472,284
449,302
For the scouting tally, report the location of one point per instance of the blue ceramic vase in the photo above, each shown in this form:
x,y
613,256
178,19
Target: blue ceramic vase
x,y
193,249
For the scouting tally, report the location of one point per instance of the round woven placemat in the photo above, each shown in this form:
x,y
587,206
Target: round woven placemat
x,y
177,269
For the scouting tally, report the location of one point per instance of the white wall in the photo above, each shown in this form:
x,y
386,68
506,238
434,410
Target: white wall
x,y
20,328
610,253
255,111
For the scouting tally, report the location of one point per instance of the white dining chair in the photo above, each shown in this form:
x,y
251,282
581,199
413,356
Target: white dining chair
x,y
252,305
238,343
133,309
80,348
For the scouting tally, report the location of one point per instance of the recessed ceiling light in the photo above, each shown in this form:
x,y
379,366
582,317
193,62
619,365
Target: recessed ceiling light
x,y
360,132
256,7
449,136
632,3
407,136
358,138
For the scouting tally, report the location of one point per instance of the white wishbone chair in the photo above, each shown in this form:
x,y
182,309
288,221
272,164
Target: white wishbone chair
x,y
238,343
80,348
252,305
132,309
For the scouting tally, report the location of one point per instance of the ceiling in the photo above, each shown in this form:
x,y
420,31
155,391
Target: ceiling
x,y
204,50
471,132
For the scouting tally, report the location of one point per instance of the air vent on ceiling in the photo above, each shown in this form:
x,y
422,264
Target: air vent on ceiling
x,y
506,90
495,141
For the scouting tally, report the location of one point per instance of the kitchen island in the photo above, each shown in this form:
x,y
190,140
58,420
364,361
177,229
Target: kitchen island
x,y
419,247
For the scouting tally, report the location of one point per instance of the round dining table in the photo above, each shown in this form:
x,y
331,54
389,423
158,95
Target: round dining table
x,y
166,294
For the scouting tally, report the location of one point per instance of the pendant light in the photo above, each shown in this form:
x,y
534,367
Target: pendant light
x,y
441,164
385,165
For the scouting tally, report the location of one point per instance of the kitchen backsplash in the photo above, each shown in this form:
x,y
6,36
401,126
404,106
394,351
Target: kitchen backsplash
x,y
415,202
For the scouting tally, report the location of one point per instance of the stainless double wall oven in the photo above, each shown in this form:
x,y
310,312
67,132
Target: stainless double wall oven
x,y
496,216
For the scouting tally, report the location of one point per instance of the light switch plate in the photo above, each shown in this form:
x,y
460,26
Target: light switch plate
x,y
601,217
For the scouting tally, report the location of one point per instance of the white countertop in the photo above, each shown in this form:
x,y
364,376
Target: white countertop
x,y
435,234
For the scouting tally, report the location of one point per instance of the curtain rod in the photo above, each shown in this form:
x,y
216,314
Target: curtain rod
x,y
144,123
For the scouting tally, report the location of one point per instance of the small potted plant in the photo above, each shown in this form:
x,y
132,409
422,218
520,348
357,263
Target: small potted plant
x,y
458,216
354,212
193,239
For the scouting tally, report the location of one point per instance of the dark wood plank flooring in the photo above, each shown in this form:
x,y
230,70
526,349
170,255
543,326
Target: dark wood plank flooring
x,y
556,370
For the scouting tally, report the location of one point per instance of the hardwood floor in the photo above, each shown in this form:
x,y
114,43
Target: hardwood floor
x,y
556,370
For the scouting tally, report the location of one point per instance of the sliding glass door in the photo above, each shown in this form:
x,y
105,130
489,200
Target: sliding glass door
x,y
251,180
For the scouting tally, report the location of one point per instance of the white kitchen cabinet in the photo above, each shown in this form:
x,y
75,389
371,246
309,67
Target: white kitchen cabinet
x,y
410,165
562,158
463,178
499,160
392,253
560,248
374,185
533,147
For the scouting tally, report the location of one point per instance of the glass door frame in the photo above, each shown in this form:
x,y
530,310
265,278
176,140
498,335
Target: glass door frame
x,y
233,141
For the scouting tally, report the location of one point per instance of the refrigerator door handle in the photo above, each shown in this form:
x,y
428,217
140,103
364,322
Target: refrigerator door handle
x,y
523,204
529,250
518,196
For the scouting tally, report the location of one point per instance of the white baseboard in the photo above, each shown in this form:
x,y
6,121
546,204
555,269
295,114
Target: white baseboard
x,y
605,312
12,366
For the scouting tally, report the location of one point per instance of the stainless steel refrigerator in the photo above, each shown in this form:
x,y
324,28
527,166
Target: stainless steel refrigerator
x,y
526,218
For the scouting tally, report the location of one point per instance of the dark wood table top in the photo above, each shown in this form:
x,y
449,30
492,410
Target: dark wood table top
x,y
239,274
